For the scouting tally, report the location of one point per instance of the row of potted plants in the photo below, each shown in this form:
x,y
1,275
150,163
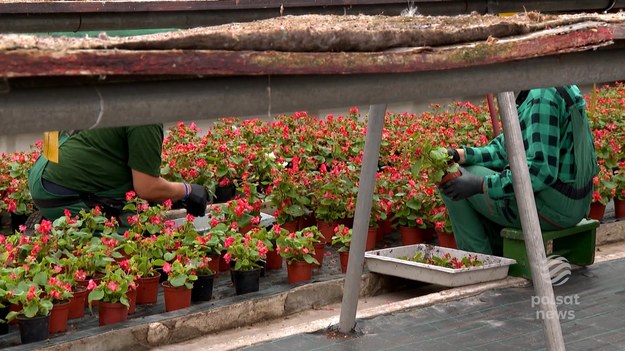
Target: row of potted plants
x,y
606,109
304,165
310,166
79,262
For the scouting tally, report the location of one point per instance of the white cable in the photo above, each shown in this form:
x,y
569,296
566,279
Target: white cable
x,y
269,97
101,113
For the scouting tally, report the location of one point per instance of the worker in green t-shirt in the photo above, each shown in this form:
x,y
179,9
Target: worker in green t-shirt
x,y
562,164
99,166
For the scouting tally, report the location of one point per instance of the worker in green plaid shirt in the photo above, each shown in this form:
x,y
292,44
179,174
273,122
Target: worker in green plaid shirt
x,y
561,161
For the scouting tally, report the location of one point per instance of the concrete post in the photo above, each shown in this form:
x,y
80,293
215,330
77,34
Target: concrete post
x,y
351,290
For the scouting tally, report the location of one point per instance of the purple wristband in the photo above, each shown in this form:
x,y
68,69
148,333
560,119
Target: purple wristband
x,y
186,192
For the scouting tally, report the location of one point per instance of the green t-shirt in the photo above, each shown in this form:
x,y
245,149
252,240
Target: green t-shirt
x,y
101,160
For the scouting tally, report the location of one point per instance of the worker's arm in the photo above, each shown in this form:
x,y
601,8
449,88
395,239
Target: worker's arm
x,y
157,189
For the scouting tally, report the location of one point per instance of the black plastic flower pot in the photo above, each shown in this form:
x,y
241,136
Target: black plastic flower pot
x,y
261,263
34,329
4,326
246,281
203,288
17,220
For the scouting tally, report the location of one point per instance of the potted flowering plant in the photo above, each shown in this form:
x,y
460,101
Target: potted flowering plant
x,y
297,247
112,294
247,253
605,110
334,195
604,189
298,250
16,197
411,203
437,164
343,238
334,192
33,316
60,292
91,261
288,193
112,287
71,273
619,196
442,225
318,240
181,274
145,219
31,297
269,238
203,287
242,213
184,156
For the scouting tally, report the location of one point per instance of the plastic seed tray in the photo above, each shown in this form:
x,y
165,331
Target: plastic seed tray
x,y
202,224
385,261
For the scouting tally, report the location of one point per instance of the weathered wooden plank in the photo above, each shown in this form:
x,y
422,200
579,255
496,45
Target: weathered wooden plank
x,y
55,6
33,62
320,33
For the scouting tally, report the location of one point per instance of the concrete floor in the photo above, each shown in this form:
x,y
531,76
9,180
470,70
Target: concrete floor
x,y
274,335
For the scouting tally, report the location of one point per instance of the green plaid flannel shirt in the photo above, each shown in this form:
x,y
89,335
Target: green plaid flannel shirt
x,y
548,139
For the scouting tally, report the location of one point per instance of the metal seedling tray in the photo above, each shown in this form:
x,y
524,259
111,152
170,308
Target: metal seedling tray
x,y
385,261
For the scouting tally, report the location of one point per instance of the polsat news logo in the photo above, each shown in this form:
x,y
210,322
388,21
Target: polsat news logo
x,y
559,269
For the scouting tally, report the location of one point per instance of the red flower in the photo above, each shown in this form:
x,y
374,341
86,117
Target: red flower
x,y
112,286
92,285
31,293
228,241
130,195
166,267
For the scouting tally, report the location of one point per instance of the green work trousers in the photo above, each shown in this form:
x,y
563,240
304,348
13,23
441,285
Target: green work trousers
x,y
51,213
478,220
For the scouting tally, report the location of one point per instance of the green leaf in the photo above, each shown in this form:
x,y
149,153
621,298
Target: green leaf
x,y
178,281
40,278
416,168
97,294
11,315
222,171
124,301
31,310
413,204
295,210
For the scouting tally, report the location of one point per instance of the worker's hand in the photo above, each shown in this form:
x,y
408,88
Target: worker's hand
x,y
468,184
197,201
454,154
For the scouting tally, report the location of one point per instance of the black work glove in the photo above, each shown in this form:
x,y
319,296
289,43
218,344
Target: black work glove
x,y
197,201
454,154
468,184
